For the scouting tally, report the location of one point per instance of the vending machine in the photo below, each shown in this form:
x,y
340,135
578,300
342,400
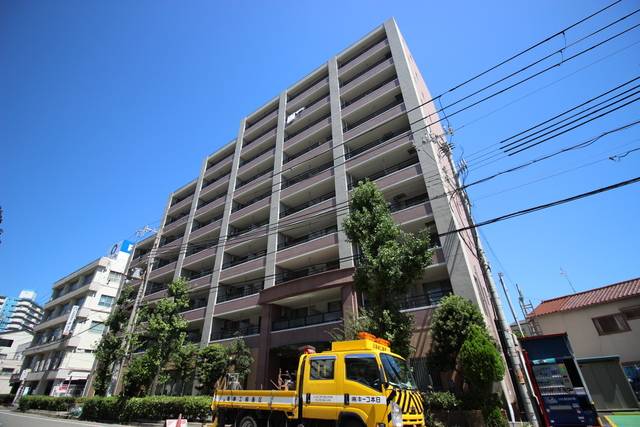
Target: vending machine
x,y
560,389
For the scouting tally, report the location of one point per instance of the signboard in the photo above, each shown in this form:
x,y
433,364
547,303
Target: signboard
x,y
70,320
124,246
176,423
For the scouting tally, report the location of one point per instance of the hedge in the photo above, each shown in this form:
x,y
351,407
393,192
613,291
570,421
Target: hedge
x,y
47,403
6,399
152,408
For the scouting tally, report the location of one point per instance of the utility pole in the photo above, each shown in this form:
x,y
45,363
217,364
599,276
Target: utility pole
x,y
506,294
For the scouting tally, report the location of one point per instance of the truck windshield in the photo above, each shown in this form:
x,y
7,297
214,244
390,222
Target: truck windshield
x,y
397,371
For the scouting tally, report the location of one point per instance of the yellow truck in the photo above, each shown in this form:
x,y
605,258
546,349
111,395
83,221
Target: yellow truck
x,y
356,384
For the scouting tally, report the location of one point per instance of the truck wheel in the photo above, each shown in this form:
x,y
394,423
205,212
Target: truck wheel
x,y
351,423
248,421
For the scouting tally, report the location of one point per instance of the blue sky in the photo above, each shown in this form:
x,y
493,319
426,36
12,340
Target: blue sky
x,y
107,107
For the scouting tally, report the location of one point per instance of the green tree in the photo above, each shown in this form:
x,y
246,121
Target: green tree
x,y
212,364
389,261
110,349
239,358
162,329
184,364
480,360
449,328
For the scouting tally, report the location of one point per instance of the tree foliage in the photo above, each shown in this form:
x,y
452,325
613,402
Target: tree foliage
x,y
449,328
480,360
212,364
162,330
239,358
110,349
184,364
389,261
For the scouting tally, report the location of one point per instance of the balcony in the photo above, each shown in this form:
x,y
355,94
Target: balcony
x,y
391,175
237,236
304,246
377,48
202,254
232,333
425,300
387,86
163,271
255,183
309,152
230,292
181,205
386,65
211,205
194,314
251,206
251,147
243,265
288,275
93,286
314,319
218,166
286,211
213,187
307,132
175,224
253,128
257,159
237,260
308,113
205,228
288,182
374,120
199,281
301,99
391,141
307,237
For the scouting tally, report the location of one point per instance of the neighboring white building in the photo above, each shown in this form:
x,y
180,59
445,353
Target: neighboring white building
x,y
12,346
601,322
21,313
61,355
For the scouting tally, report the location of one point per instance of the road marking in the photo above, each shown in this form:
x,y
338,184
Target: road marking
x,y
51,419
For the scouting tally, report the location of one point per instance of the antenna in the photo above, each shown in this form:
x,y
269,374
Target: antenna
x,y
566,276
144,230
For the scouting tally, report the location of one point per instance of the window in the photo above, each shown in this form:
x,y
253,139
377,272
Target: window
x,y
631,313
334,306
87,279
7,371
97,327
106,301
5,342
612,324
322,368
363,369
114,276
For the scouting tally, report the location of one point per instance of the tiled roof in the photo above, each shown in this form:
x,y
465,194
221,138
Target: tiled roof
x,y
617,291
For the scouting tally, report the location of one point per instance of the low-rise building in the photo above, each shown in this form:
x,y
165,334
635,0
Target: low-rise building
x,y
21,313
600,322
12,346
61,355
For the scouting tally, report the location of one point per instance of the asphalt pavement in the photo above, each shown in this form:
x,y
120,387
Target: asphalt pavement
x,y
17,419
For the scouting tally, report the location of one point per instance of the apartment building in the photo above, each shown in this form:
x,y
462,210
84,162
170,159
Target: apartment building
x,y
12,346
21,313
60,356
258,234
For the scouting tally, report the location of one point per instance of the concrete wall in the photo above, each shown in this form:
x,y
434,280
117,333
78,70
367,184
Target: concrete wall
x,y
584,336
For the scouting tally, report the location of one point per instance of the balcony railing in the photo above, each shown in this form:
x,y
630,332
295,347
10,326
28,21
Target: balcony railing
x,y
198,224
372,144
355,124
203,203
310,236
239,205
366,70
407,203
373,45
289,211
230,333
367,92
240,232
211,165
302,129
239,260
244,162
314,319
384,172
425,300
309,270
288,182
196,275
153,287
230,292
305,150
242,183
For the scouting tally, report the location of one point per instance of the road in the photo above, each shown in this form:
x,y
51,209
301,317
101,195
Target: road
x,y
16,419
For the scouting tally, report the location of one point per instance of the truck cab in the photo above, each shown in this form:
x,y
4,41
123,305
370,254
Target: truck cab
x,y
357,383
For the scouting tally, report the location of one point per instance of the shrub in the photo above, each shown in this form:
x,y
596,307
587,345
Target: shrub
x,y
441,401
495,418
46,403
102,408
193,408
480,360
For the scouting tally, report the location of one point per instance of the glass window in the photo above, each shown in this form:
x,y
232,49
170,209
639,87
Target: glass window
x,y
114,276
397,371
106,300
97,327
363,368
87,279
632,313
322,368
612,324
